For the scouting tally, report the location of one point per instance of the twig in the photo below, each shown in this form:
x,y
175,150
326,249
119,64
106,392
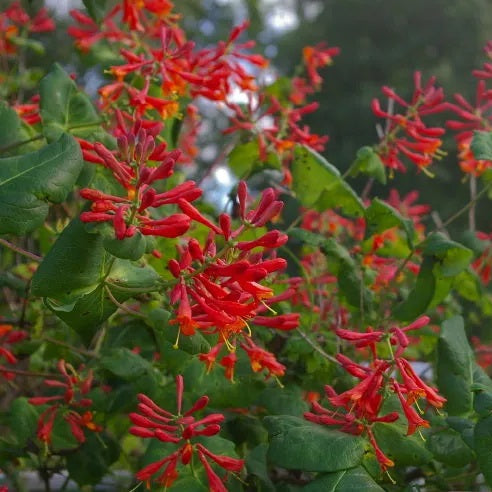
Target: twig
x,y
21,251
316,347
21,372
471,211
439,223
122,306
82,351
471,203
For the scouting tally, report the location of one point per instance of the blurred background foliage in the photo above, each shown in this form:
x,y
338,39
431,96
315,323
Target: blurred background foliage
x,y
381,41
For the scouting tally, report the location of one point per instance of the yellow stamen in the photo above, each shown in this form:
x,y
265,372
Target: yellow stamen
x,y
392,480
268,307
176,343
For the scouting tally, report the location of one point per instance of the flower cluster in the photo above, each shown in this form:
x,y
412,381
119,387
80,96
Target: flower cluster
x,y
170,66
181,429
129,214
473,117
419,143
219,291
72,404
9,336
357,409
15,19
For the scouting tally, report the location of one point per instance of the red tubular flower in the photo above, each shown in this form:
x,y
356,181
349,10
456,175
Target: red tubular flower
x,y
229,362
129,214
261,359
366,394
360,339
210,357
215,483
9,336
411,380
316,57
272,239
74,388
288,321
181,429
414,420
383,460
424,144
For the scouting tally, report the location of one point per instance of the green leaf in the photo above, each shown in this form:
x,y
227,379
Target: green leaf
x,y
355,479
81,258
483,447
95,8
129,248
11,130
368,162
481,145
443,260
464,427
30,181
126,364
283,401
256,465
22,420
403,450
468,285
318,184
455,367
78,296
482,390
93,458
341,264
64,108
449,448
299,445
420,297
453,257
244,160
380,217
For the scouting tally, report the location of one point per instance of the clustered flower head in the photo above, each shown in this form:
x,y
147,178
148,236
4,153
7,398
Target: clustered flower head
x,y
472,117
129,214
73,404
15,19
219,291
356,410
172,69
153,422
406,134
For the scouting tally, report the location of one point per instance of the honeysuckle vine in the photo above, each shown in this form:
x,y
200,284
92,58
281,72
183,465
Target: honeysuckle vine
x,y
322,334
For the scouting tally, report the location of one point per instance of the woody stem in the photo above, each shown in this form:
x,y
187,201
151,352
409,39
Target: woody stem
x,y
21,372
473,195
122,306
82,351
21,251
